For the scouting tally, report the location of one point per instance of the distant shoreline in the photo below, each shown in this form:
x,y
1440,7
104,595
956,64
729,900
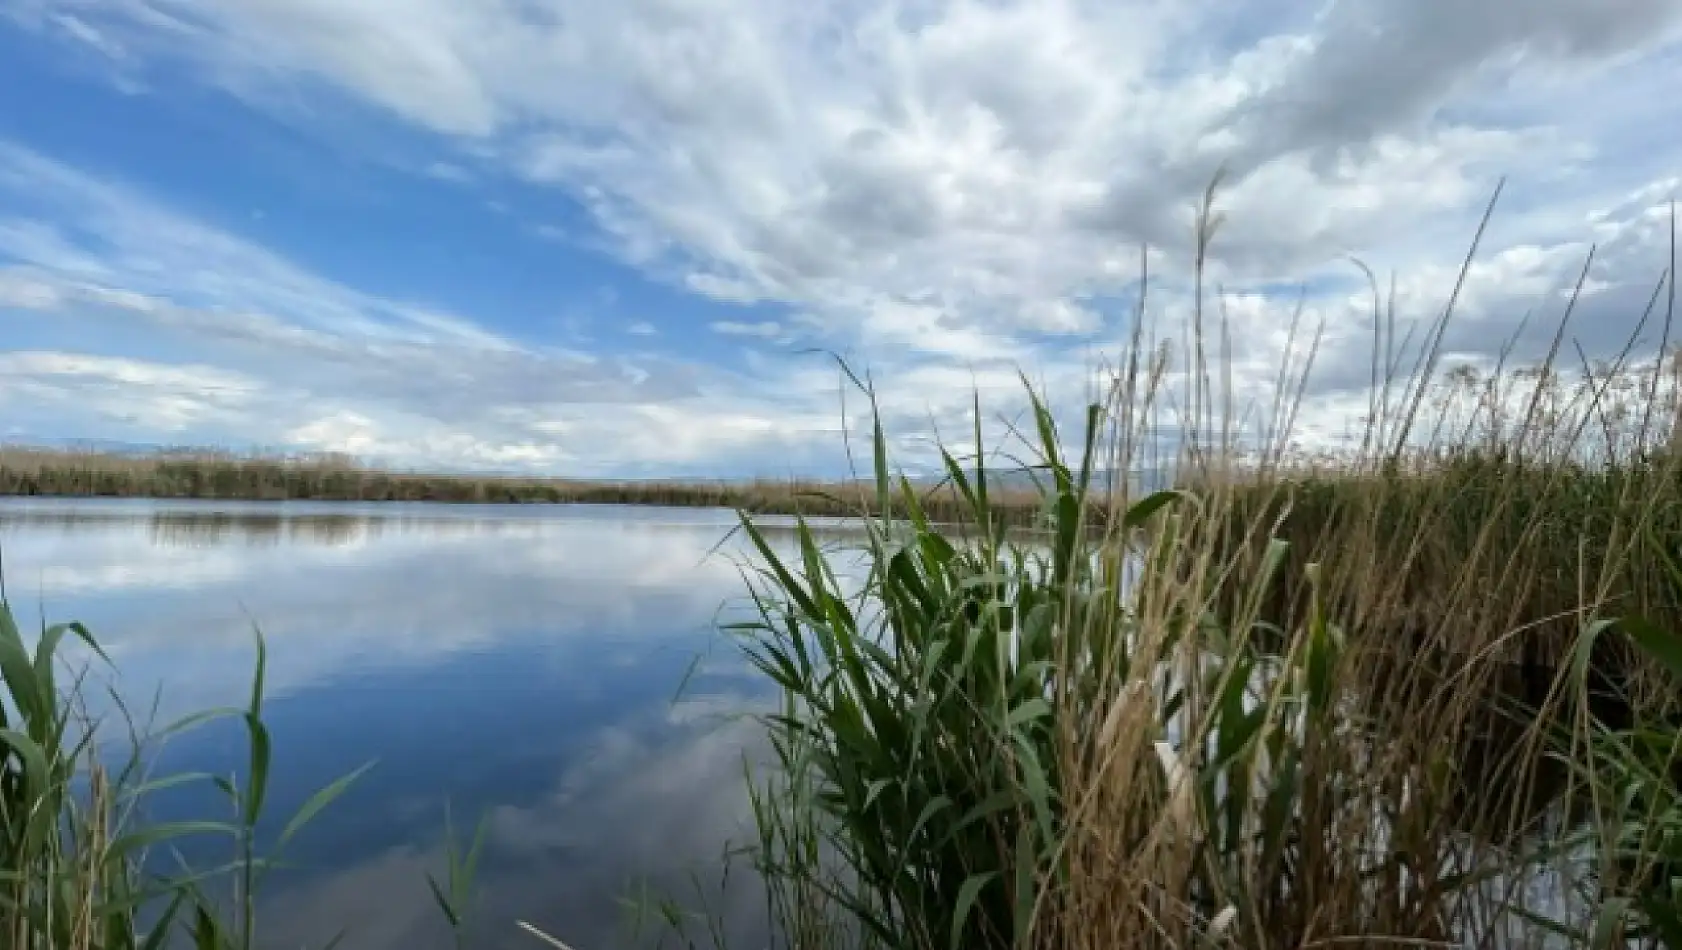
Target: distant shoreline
x,y
62,474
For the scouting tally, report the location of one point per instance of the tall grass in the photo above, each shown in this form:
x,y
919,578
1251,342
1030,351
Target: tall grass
x,y
998,744
1294,702
1500,504
79,859
1634,823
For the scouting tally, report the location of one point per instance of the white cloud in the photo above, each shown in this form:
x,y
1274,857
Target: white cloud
x,y
83,33
447,171
764,329
722,288
283,357
161,398
1059,316
207,379
22,291
952,183
115,245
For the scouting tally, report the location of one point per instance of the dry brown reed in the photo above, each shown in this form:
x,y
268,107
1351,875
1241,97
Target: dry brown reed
x,y
33,471
1309,719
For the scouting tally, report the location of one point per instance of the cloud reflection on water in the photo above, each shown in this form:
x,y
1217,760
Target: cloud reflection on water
x,y
517,662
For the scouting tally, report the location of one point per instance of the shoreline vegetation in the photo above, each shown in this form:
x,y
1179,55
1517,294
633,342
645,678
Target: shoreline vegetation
x,y
1426,692
29,471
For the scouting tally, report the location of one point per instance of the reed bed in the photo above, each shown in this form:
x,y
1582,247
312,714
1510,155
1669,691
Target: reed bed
x,y
1366,699
32,471
1504,505
999,744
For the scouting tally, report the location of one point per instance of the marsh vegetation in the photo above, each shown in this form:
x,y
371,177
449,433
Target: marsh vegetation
x,y
190,473
1419,691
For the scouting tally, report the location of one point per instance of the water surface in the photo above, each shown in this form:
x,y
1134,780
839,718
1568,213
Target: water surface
x,y
522,663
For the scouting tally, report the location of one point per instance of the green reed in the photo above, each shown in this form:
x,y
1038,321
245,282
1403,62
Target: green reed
x,y
1627,784
1316,714
989,742
76,864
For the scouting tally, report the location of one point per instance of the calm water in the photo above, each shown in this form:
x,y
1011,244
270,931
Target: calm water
x,y
521,663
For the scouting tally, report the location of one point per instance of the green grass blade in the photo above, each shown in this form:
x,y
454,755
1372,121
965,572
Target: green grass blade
x,y
318,801
967,895
257,769
1661,645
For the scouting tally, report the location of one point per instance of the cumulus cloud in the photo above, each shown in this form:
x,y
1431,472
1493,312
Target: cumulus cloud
x,y
952,183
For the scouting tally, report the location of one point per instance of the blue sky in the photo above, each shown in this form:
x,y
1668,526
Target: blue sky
x,y
598,239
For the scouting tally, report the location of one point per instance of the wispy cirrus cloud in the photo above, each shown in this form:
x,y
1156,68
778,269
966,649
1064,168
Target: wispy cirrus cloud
x,y
242,345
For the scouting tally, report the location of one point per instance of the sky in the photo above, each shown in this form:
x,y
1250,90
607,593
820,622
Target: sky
x,y
628,239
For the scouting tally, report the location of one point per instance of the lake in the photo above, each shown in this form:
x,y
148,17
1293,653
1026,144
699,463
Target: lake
x,y
520,663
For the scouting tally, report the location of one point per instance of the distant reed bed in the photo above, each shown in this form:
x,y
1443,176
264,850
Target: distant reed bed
x,y
33,471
